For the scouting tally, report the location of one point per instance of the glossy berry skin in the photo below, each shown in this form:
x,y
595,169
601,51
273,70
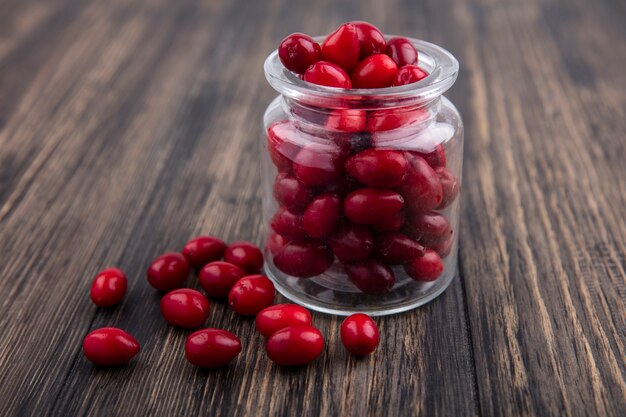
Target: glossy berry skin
x,y
397,248
217,278
391,223
185,308
291,193
281,144
435,158
277,317
299,51
371,39
342,47
251,294
369,205
108,287
375,71
288,224
384,120
245,255
352,242
371,276
402,51
450,186
346,120
378,167
303,259
322,216
430,228
295,345
359,334
409,74
201,250
110,346
211,348
421,188
316,167
168,271
425,268
327,74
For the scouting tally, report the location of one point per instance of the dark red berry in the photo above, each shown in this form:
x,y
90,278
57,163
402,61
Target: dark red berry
x,y
346,120
375,71
351,242
342,47
371,39
402,51
281,144
359,334
295,345
327,74
168,271
201,250
370,276
384,120
245,255
288,224
212,348
108,287
391,223
430,228
425,268
369,205
396,248
378,167
299,51
421,188
217,278
435,158
303,259
315,167
409,74
322,216
444,248
277,317
291,193
110,346
251,294
185,308
450,186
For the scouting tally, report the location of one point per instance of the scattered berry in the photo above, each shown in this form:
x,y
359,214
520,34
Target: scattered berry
x,y
295,345
185,308
274,318
217,278
201,250
211,348
110,346
251,294
245,255
359,334
108,287
168,271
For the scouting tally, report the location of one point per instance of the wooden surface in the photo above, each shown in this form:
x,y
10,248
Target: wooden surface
x,y
126,127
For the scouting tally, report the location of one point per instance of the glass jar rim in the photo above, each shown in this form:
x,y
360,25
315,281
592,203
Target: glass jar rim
x,y
441,66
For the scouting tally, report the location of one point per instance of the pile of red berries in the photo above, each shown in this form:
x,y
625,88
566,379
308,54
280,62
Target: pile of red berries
x,y
356,55
291,338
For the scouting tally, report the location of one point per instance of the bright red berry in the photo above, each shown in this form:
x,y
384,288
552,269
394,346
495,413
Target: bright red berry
x,y
371,276
108,287
303,259
110,346
342,47
299,51
168,271
371,39
346,120
185,308
396,248
450,186
315,167
375,71
277,317
421,188
378,167
295,345
251,294
351,242
287,223
322,216
291,193
245,255
402,51
217,278
212,348
409,74
425,268
383,120
359,334
201,250
327,74
369,205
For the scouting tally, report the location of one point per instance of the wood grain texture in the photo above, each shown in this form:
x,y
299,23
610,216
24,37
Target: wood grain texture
x,y
127,127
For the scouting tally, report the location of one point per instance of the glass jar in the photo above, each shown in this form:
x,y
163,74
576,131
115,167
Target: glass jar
x,y
361,189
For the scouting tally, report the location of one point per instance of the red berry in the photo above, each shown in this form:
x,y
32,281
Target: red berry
x,y
281,143
402,51
370,276
359,334
168,271
352,242
110,346
391,223
396,248
217,278
295,345
108,287
421,188
435,158
444,248
384,120
251,294
430,228
409,74
369,205
303,259
378,167
322,216
375,71
277,317
291,193
299,51
212,348
245,255
371,39
450,186
346,120
315,167
201,250
327,74
185,308
288,224
342,47
275,242
425,268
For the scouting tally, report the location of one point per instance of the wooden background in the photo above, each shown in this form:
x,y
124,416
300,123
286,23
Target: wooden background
x,y
127,127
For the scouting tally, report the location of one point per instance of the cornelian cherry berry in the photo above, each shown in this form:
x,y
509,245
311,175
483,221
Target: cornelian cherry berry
x,y
108,287
212,348
168,271
217,278
275,242
409,74
201,250
251,294
375,71
391,223
351,242
421,188
444,248
303,259
430,228
435,158
450,186
425,268
281,144
378,167
342,47
290,192
371,39
315,167
402,51
384,120
359,334
346,120
245,255
369,205
185,308
277,317
110,346
288,224
371,276
396,248
299,51
295,345
327,74
322,216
